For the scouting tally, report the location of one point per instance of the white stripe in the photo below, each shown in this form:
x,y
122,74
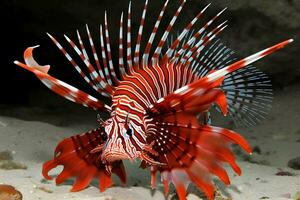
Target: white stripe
x,y
95,55
58,45
160,100
92,98
66,85
77,68
68,57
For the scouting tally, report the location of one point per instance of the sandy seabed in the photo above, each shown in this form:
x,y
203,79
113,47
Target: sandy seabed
x,y
29,137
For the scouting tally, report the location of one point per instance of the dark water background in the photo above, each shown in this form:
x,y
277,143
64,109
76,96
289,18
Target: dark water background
x,y
253,25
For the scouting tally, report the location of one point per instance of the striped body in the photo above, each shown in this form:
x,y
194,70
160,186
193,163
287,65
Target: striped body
x,y
159,103
147,86
132,98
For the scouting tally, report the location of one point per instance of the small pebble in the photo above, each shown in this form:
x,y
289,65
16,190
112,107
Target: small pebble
x,y
264,198
284,173
297,196
135,184
6,155
294,163
8,192
45,189
256,149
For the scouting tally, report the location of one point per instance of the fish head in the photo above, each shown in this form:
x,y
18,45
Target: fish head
x,y
125,138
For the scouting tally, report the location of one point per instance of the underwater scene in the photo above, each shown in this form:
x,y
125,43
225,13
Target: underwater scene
x,y
154,100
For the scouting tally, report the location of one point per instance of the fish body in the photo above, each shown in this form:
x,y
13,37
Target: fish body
x,y
159,104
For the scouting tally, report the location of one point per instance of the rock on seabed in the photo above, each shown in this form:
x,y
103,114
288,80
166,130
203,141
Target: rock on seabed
x,y
294,163
8,192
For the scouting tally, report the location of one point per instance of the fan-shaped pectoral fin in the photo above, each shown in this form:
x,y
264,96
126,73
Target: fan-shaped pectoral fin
x,y
192,153
76,156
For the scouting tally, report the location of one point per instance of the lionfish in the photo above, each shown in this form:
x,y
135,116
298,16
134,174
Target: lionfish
x,y
160,102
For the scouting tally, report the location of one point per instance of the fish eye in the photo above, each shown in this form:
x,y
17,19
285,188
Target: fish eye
x,y
129,132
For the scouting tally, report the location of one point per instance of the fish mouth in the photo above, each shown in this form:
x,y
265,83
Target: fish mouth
x,y
112,156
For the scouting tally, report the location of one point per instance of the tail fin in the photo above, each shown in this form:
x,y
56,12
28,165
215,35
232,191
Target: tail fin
x,y
76,156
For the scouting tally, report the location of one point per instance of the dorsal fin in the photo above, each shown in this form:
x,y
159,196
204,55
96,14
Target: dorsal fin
x,y
139,37
108,89
191,42
166,33
93,50
193,53
152,36
121,48
105,65
129,56
182,35
108,50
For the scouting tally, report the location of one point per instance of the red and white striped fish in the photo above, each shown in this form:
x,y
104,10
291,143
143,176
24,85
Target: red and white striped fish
x,y
159,104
